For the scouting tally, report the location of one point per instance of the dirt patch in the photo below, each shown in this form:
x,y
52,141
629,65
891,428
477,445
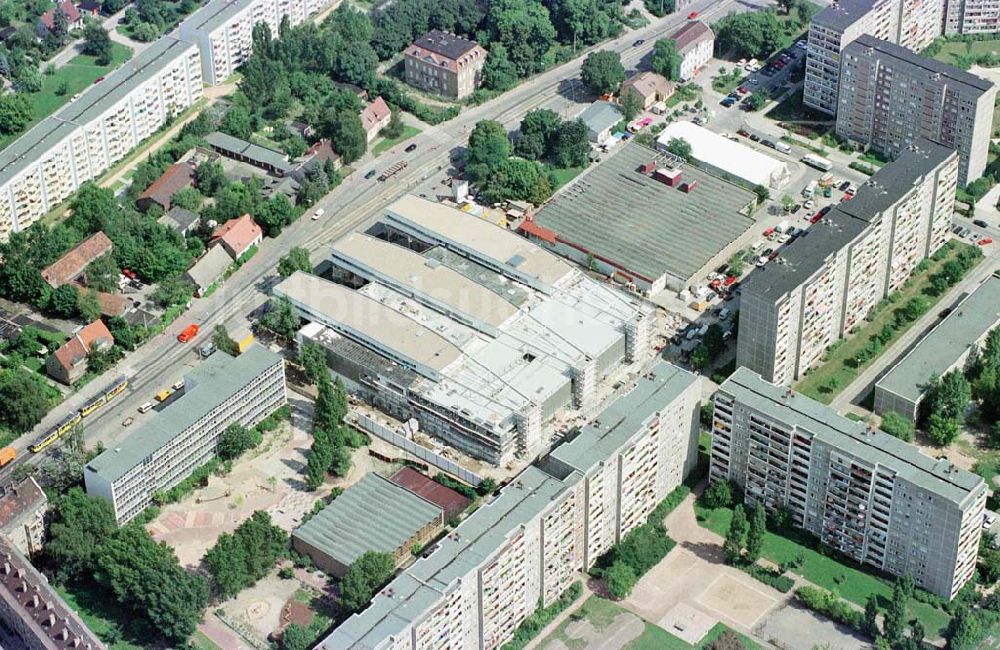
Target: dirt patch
x,y
624,629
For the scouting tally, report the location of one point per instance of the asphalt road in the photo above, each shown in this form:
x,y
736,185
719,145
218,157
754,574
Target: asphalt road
x,y
355,204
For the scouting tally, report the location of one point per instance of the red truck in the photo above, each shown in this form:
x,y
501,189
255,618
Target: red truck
x,y
189,333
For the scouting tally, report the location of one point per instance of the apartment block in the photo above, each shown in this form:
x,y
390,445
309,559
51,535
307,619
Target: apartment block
x,y
223,29
890,96
182,436
444,64
875,498
971,16
823,285
48,163
913,24
552,521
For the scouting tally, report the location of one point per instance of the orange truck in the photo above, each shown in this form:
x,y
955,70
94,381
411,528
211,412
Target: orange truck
x,y
7,454
189,333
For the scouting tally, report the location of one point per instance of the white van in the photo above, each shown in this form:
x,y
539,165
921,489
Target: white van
x,y
782,147
148,406
809,190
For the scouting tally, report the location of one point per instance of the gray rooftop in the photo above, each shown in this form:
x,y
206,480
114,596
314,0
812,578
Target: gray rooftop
x,y
806,255
942,347
624,416
496,282
210,383
214,14
392,515
210,267
643,225
930,66
254,152
179,218
446,44
851,437
841,15
92,103
600,116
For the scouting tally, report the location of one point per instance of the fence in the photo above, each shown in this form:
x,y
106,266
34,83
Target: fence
x,y
420,452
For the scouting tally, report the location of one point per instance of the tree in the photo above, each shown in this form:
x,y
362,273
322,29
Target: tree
x,y
763,194
537,132
240,559
755,535
941,430
395,127
209,177
15,113
312,357
749,35
620,579
346,134
281,319
787,202
700,357
237,439
296,637
569,146
24,399
297,259
894,620
237,123
517,179
97,43
188,198
965,631
524,30
666,61
727,641
736,535
871,617
64,301
364,577
499,73
28,79
224,342
631,105
680,148
719,494
947,399
896,425
757,100
171,291
488,148
79,527
603,72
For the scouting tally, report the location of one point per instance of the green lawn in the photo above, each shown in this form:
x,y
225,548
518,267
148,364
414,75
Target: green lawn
x,y
951,50
824,382
850,583
78,74
103,617
601,613
563,176
388,143
201,642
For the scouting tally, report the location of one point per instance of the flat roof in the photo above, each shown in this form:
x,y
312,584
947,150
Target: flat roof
x,y
842,14
617,423
391,513
466,232
214,14
463,551
929,65
426,276
644,225
207,385
803,257
940,349
370,319
722,153
92,103
824,423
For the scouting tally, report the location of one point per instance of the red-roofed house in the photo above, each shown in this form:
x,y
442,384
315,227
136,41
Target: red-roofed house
x,y
176,178
47,21
375,117
71,266
238,235
444,64
68,363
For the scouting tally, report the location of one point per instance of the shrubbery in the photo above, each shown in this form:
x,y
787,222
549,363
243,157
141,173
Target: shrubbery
x,y
542,616
828,604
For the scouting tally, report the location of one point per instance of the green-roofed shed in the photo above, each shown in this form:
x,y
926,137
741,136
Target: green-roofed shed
x,y
374,514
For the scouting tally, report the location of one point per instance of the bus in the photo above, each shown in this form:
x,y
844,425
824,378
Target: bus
x,y
56,432
818,162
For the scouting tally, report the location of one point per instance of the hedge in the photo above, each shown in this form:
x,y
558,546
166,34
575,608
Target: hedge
x,y
541,617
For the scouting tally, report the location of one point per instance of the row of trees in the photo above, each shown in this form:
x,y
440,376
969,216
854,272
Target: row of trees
x,y
241,558
141,575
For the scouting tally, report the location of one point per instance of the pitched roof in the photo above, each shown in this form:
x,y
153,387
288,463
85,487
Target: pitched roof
x,y
238,234
445,50
600,116
177,177
49,17
690,34
19,498
446,498
179,218
77,348
374,113
74,262
254,152
209,267
649,83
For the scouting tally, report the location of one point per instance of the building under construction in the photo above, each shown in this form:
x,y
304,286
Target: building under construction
x,y
478,334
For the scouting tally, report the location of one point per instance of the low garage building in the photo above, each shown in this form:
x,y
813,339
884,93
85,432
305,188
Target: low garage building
x,y
728,158
646,220
374,514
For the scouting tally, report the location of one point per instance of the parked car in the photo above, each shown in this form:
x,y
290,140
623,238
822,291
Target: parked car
x,y
796,208
148,406
754,137
728,102
692,15
319,213
767,143
985,240
744,133
980,223
127,421
725,313
638,42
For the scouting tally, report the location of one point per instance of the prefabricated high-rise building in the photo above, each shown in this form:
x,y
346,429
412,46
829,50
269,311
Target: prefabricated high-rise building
x,y
871,496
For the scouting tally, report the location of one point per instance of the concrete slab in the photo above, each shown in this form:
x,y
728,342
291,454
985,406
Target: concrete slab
x,y
739,599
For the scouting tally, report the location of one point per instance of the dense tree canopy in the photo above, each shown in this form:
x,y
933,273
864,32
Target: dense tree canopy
x,y
753,34
666,61
240,559
603,71
364,577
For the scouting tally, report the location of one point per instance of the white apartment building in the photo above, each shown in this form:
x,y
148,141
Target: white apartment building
x,y
48,163
971,16
552,521
875,498
890,96
822,286
694,41
182,436
912,24
223,29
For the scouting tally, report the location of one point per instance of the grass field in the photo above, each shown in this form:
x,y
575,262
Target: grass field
x,y
201,642
563,176
108,621
388,143
601,613
79,74
951,50
850,583
826,381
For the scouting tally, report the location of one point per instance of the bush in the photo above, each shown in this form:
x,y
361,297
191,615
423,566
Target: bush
x,y
541,617
620,579
719,494
828,604
897,426
769,577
